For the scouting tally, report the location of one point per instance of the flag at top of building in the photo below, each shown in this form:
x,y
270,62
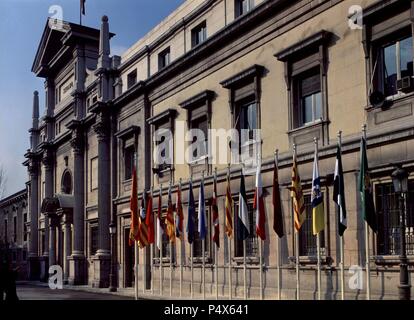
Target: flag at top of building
x,y
82,5
160,226
134,230
202,226
339,193
170,218
216,223
191,214
365,189
318,217
229,209
149,220
297,195
243,214
179,221
258,204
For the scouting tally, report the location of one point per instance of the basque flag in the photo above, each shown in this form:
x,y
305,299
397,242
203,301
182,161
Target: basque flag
x,y
202,227
243,214
258,205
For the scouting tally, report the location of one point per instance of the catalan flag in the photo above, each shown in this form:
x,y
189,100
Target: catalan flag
x,y
170,218
258,205
180,215
134,230
143,230
229,209
297,195
216,222
160,224
318,216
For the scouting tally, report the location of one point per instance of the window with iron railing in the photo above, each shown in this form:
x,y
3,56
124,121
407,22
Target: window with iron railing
x,y
307,241
388,213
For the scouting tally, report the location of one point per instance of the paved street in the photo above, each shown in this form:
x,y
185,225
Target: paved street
x,y
31,292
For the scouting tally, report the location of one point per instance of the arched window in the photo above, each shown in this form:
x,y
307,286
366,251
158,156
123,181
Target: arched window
x,y
66,182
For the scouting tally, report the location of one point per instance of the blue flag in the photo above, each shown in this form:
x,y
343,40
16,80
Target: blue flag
x,y
202,228
191,214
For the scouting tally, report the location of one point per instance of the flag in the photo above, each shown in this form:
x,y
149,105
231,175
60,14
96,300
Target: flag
x,y
134,230
202,227
277,204
243,225
318,216
82,5
216,222
229,210
191,214
149,220
143,230
180,216
258,205
160,225
339,193
170,218
297,195
365,189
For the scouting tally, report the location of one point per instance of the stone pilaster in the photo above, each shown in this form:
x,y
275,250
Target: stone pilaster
x,y
77,265
33,256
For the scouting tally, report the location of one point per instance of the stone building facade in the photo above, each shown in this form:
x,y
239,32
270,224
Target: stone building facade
x,y
14,231
296,70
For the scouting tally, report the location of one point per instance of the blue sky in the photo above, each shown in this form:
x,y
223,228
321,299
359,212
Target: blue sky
x,y
21,26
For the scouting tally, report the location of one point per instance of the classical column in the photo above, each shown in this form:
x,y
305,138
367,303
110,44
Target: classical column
x,y
68,248
77,258
102,257
52,241
34,221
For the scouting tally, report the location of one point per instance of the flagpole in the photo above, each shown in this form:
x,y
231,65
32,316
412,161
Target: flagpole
x,y
161,243
277,238
152,250
191,249
181,253
367,262
260,251
229,244
341,238
171,245
244,258
136,269
297,248
203,251
144,194
216,247
318,244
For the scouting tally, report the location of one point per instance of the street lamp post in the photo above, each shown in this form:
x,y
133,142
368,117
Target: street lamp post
x,y
400,182
112,284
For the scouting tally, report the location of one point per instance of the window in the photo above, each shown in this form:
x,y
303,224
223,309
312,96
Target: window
x,y
199,34
201,149
164,58
129,162
66,186
247,115
307,241
309,97
241,7
132,78
388,211
394,62
252,242
94,240
306,82
94,173
15,229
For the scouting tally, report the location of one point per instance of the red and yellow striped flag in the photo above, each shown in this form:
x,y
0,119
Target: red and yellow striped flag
x,y
143,229
297,195
170,219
